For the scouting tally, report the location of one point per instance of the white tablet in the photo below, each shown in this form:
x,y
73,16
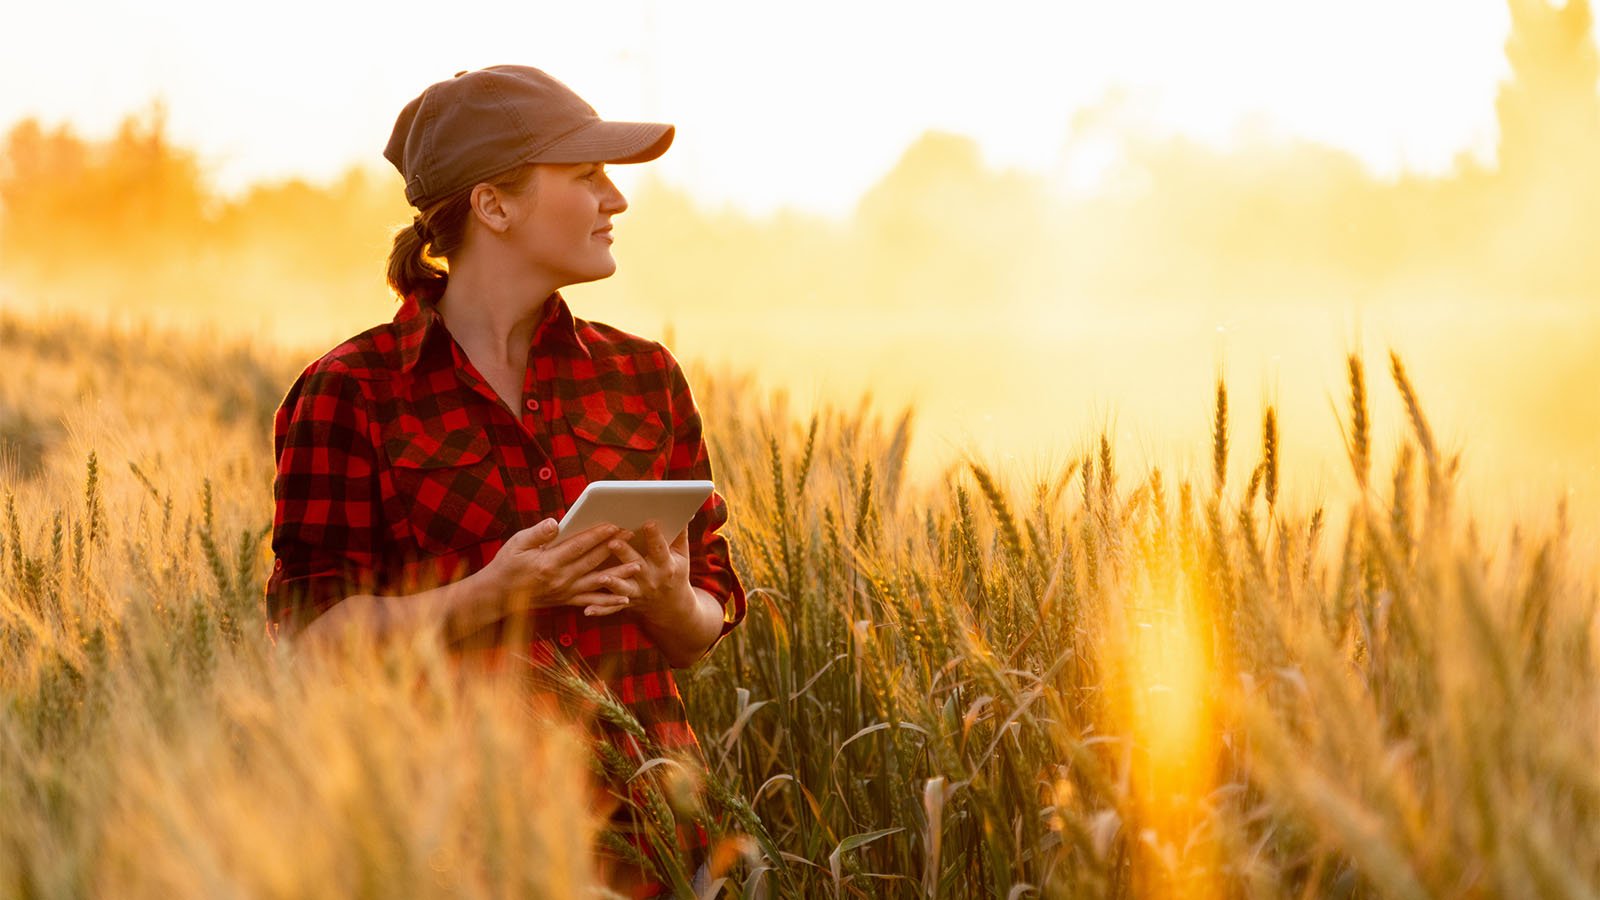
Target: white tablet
x,y
629,504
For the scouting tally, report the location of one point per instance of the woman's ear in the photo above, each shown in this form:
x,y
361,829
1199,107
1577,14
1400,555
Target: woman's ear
x,y
490,208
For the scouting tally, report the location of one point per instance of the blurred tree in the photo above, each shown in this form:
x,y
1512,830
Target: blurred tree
x,y
1549,113
125,201
333,231
941,229
1549,180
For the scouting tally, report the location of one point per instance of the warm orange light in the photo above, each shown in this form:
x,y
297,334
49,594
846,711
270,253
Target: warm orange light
x,y
1170,685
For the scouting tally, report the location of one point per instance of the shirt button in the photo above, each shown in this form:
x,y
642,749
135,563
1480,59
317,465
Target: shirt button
x,y
566,640
533,405
545,474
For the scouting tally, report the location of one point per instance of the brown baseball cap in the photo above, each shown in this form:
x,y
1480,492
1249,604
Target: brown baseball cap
x,y
485,121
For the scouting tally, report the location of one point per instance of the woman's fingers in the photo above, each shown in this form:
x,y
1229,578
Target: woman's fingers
x,y
624,551
624,570
588,561
656,546
597,600
622,587
602,604
580,545
573,569
535,536
601,579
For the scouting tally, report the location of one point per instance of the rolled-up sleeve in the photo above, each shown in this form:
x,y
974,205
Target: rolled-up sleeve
x,y
710,566
325,526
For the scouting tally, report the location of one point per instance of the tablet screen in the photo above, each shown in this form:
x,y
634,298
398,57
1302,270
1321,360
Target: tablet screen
x,y
629,504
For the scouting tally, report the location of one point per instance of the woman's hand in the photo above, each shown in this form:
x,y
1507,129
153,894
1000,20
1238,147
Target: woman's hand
x,y
680,619
531,573
658,589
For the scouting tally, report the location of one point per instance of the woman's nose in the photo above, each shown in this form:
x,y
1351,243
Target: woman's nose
x,y
613,201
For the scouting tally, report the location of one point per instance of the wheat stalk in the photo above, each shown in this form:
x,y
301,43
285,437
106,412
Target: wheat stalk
x,y
1269,456
1219,441
1359,445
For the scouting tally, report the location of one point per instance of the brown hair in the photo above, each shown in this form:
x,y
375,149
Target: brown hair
x,y
417,264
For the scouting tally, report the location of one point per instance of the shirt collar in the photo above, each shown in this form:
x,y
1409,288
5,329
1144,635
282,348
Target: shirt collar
x,y
418,317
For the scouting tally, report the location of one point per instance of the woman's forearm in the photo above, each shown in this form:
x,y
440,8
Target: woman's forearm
x,y
683,630
686,629
452,609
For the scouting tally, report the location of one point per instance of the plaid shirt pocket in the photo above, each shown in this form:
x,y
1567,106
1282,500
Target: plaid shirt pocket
x,y
453,485
621,446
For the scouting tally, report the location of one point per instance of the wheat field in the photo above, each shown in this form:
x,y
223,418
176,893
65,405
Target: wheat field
x,y
1087,682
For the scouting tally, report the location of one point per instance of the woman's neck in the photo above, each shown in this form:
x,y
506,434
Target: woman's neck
x,y
494,316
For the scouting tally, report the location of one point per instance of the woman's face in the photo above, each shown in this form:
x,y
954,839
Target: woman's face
x,y
563,222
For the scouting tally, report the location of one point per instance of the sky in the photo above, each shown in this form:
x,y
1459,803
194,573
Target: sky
x,y
800,106
807,106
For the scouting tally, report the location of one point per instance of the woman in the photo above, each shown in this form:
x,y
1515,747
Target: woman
x,y
422,464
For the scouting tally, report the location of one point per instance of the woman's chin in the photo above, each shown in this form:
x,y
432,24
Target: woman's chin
x,y
593,273
606,268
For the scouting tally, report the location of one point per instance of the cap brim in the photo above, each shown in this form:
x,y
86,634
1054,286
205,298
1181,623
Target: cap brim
x,y
610,142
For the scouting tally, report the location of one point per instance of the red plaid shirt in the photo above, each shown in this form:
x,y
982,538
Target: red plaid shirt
x,y
400,468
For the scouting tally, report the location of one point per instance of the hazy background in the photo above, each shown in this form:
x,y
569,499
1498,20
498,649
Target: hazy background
x,y
1032,226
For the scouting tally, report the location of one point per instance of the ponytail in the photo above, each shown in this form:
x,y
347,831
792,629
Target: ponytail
x,y
410,267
